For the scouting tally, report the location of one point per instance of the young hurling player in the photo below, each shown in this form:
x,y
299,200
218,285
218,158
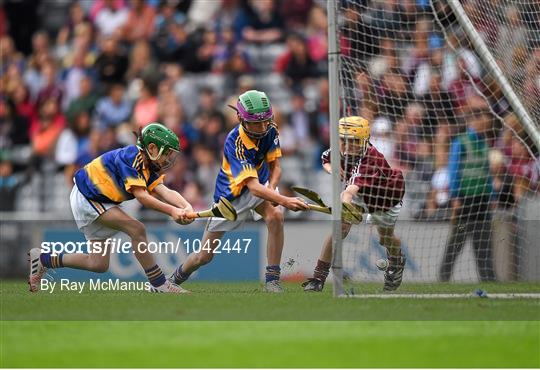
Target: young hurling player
x,y
248,178
116,176
372,183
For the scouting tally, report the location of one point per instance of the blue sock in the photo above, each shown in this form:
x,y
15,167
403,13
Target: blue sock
x,y
180,276
155,276
50,261
272,273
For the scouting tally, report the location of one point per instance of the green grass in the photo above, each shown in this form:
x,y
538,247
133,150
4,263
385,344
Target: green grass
x,y
245,301
366,339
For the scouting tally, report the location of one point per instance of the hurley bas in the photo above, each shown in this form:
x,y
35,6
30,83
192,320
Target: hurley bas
x,y
92,284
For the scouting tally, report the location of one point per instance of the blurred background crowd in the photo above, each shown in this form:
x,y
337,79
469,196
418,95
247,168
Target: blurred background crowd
x,y
78,77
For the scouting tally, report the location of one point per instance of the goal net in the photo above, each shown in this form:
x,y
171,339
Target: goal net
x,y
451,93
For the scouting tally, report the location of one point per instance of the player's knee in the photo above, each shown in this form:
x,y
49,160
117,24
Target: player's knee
x,y
136,230
274,219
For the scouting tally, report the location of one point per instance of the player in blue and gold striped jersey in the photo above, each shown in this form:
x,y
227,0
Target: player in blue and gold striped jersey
x,y
135,171
248,178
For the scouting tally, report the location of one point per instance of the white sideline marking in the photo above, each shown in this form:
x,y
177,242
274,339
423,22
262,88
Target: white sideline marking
x,y
443,295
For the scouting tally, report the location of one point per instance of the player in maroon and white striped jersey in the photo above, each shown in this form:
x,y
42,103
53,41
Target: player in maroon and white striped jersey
x,y
377,187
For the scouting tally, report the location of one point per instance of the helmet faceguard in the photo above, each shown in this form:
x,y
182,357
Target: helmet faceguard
x,y
254,107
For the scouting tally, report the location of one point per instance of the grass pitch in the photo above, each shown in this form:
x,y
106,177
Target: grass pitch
x,y
90,329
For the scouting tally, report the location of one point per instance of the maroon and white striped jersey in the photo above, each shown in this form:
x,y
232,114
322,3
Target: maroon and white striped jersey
x,y
381,186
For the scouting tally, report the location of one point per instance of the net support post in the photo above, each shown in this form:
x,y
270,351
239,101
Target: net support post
x,y
489,60
333,80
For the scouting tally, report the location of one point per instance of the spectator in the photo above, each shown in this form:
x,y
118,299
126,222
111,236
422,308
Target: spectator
x,y
385,61
66,34
260,22
208,103
140,22
10,56
296,63
470,191
142,64
111,64
520,167
85,102
201,50
23,105
502,181
206,166
192,192
512,36
74,76
179,175
13,126
408,136
301,121
211,131
316,36
51,88
394,94
111,18
113,110
296,12
169,39
46,128
146,107
359,40
463,87
72,146
438,104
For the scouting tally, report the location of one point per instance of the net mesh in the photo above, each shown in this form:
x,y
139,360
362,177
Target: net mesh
x,y
439,117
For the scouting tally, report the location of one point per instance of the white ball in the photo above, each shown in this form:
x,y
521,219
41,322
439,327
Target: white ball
x,y
382,264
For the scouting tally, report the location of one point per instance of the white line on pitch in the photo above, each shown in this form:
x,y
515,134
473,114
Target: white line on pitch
x,y
444,295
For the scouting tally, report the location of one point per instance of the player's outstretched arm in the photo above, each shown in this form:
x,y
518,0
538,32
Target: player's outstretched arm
x,y
172,197
258,190
147,200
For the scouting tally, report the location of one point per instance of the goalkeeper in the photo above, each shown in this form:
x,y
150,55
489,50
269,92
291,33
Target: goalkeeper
x,y
374,185
248,177
104,183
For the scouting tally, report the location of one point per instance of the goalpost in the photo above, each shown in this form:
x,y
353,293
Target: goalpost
x,y
424,73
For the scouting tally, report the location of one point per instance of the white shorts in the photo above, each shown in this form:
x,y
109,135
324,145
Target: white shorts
x,y
385,218
86,212
245,207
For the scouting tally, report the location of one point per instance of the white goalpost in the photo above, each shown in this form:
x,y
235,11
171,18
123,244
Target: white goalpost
x,y
451,90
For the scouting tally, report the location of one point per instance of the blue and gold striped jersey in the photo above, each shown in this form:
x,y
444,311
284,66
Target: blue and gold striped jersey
x,y
110,177
244,158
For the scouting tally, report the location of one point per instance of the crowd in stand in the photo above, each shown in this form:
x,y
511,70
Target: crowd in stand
x,y
77,78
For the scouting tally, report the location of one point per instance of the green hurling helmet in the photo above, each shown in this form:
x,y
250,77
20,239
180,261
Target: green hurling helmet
x,y
254,106
165,139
